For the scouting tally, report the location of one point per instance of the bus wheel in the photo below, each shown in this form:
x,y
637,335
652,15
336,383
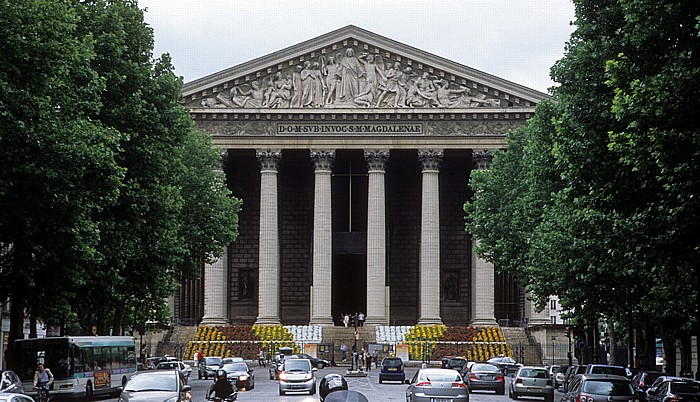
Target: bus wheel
x,y
88,391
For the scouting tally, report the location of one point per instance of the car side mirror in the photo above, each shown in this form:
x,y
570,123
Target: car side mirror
x,y
407,381
314,369
250,370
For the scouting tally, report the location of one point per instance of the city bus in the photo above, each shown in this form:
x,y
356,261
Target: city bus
x,y
82,366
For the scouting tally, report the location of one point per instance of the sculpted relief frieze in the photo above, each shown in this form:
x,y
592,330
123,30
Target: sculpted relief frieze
x,y
350,77
441,128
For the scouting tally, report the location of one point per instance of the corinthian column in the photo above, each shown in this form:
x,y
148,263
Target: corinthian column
x,y
215,296
430,238
269,265
482,270
323,239
376,237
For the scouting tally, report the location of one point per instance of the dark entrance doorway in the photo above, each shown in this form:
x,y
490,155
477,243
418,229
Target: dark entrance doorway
x,y
349,285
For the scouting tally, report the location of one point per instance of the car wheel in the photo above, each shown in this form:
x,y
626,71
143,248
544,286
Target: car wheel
x,y
319,365
500,391
281,392
380,380
312,391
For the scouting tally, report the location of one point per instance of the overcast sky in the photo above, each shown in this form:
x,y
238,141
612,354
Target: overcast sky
x,y
518,40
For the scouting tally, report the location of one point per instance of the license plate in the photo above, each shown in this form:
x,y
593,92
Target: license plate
x,y
440,399
392,368
536,389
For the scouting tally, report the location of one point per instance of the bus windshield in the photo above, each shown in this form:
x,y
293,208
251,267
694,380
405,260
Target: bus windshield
x,y
52,355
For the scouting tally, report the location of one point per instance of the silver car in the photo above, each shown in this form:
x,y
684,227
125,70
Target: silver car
x,y
161,385
297,376
532,381
437,385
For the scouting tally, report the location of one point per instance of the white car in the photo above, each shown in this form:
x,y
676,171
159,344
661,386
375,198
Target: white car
x,y
10,397
184,368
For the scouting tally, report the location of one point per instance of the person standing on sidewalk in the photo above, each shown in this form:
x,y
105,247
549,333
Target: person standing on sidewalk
x,y
344,351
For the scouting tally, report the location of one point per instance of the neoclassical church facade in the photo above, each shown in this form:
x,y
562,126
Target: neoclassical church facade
x,y
352,154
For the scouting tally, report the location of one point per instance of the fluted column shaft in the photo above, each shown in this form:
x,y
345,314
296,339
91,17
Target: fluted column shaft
x,y
215,289
269,266
323,239
430,238
376,238
483,292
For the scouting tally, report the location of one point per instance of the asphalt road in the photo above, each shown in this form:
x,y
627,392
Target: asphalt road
x,y
266,390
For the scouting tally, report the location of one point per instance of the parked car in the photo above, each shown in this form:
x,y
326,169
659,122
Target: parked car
x,y
676,391
508,365
159,385
13,397
484,376
240,374
436,384
209,366
559,375
392,369
599,388
642,380
297,376
605,369
175,365
531,381
315,361
10,382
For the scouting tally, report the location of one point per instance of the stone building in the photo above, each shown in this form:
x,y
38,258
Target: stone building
x,y
352,153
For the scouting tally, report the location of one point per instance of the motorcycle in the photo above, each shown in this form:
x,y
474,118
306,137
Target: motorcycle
x,y
229,398
345,396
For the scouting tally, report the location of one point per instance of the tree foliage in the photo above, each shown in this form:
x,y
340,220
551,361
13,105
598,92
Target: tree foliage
x,y
111,195
615,233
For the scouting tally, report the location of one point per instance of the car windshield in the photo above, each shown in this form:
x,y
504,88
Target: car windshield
x,y
392,362
533,373
235,367
685,387
608,387
441,376
485,367
457,362
608,370
212,361
151,382
297,365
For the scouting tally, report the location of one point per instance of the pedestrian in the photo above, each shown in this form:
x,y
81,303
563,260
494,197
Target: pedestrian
x,y
200,356
344,351
368,361
346,320
261,358
354,320
194,358
361,319
362,358
375,357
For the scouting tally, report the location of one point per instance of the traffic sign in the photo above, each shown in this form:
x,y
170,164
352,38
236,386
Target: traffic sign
x,y
580,344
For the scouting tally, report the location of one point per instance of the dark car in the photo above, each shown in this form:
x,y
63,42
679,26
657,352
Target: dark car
x,y
208,367
315,361
159,385
10,382
571,372
605,369
599,388
642,380
391,369
484,376
508,365
676,391
240,374
457,363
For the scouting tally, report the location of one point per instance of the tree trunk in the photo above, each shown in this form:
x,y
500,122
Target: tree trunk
x,y
612,342
32,326
16,332
668,338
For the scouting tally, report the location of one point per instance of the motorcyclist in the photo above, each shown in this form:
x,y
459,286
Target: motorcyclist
x,y
221,388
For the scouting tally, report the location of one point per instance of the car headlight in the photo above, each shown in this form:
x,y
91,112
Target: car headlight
x,y
283,376
308,376
243,377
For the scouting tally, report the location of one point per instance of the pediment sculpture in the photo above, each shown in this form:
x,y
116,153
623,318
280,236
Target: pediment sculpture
x,y
350,79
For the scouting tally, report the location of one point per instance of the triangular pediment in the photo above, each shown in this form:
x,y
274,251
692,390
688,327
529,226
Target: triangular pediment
x,y
352,68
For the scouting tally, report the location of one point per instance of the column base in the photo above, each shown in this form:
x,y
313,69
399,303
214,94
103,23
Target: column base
x,y
430,321
213,321
485,322
268,321
376,321
324,322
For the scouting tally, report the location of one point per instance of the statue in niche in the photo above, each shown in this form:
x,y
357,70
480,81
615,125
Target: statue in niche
x,y
245,285
374,69
330,71
451,288
349,71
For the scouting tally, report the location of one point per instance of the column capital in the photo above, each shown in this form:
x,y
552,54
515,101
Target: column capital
x,y
377,158
322,158
430,158
482,158
268,158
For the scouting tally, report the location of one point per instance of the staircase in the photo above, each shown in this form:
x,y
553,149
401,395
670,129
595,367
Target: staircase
x,y
525,349
341,335
175,342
